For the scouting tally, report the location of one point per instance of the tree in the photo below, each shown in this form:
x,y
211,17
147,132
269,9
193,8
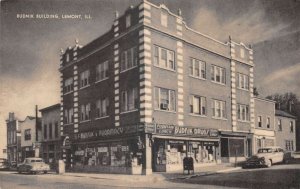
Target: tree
x,y
287,102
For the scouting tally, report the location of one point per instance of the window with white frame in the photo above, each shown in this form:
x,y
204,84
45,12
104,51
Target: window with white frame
x,y
67,57
68,87
69,115
102,107
129,99
279,124
243,112
84,78
259,121
198,105
85,112
27,134
242,81
268,122
197,68
164,19
164,99
129,58
128,21
164,58
219,109
291,126
242,53
218,74
102,71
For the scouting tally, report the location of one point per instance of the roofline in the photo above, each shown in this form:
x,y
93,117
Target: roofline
x,y
264,99
50,107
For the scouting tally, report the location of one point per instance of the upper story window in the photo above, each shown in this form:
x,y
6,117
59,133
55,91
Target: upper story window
x,y
69,115
84,78
102,107
164,58
67,57
128,21
129,58
279,124
268,122
242,81
218,74
291,126
259,121
27,134
68,87
50,131
129,99
243,112
242,53
197,68
197,105
164,19
102,71
45,131
219,109
164,99
85,112
56,129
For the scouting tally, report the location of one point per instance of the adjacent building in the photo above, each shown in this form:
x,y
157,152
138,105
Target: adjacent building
x,y
30,137
285,130
51,140
264,133
152,91
13,139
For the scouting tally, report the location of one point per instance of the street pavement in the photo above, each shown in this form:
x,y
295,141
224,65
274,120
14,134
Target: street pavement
x,y
211,177
278,176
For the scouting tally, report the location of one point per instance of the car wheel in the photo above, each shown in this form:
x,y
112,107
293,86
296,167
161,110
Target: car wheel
x,y
269,163
45,172
285,161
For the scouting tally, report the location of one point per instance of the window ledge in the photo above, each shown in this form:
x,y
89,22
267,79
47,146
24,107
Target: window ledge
x,y
243,121
167,69
85,86
128,69
200,78
173,112
99,81
129,111
84,121
247,90
98,118
67,124
198,115
219,118
68,92
223,84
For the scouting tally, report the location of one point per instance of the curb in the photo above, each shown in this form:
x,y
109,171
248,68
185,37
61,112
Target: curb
x,y
206,173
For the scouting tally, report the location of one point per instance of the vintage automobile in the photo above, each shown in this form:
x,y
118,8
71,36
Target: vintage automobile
x,y
266,157
4,165
33,165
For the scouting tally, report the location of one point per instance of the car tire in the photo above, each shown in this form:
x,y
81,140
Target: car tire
x,y
285,161
269,163
45,172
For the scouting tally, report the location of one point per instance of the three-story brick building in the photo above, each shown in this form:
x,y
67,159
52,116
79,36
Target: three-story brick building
x,y
151,91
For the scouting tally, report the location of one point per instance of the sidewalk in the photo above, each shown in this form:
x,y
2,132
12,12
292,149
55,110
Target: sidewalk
x,y
158,176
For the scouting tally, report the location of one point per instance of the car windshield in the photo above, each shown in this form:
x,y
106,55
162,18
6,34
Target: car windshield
x,y
265,150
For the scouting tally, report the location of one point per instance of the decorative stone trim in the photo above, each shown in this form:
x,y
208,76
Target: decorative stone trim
x,y
180,83
252,102
145,13
145,69
233,88
116,84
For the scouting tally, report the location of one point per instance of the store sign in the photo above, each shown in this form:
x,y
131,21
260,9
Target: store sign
x,y
164,129
109,132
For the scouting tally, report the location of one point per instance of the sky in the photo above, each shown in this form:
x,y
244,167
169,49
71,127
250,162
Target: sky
x,y
29,48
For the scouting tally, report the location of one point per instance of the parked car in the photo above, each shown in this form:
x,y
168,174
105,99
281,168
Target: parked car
x,y
267,156
33,165
4,165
